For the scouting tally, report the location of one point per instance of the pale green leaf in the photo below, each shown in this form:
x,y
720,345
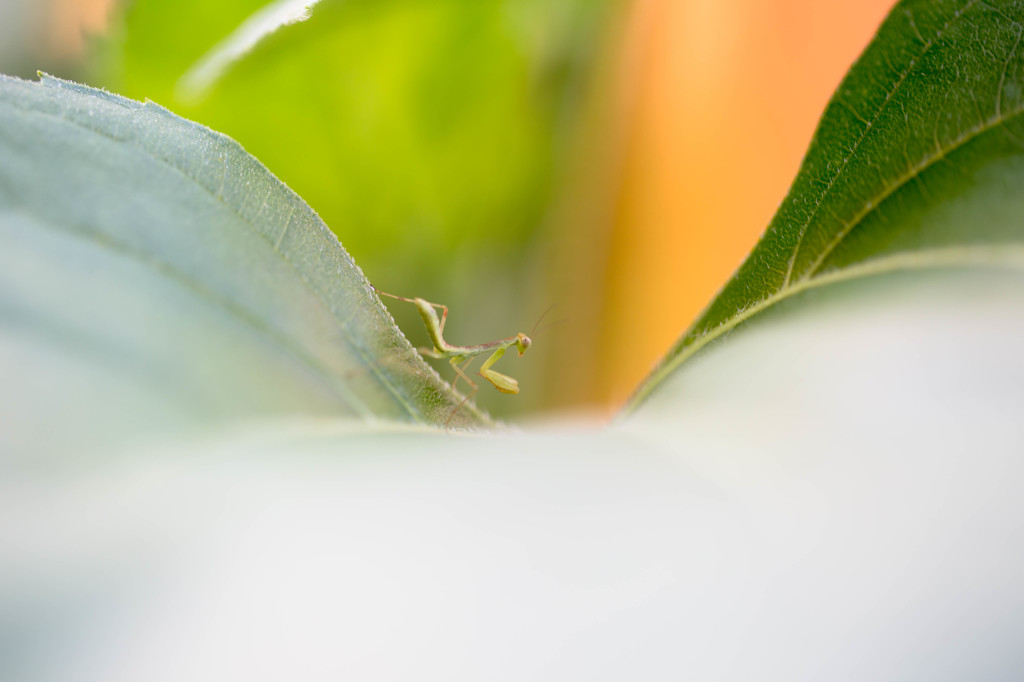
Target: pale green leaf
x,y
153,275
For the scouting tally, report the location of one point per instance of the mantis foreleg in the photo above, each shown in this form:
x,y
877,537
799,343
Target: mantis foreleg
x,y
502,382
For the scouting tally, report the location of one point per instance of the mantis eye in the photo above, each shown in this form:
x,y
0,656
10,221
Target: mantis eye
x,y
523,342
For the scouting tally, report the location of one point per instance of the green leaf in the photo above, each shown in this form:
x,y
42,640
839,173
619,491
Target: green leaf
x,y
918,162
153,275
433,124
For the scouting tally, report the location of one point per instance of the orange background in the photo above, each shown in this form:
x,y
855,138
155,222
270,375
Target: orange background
x,y
712,107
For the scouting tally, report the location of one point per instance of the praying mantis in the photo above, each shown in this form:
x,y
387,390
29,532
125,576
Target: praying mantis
x,y
460,356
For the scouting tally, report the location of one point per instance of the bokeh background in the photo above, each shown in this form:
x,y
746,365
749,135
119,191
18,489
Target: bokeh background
x,y
616,159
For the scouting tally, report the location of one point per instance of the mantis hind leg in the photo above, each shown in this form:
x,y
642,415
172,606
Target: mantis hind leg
x,y
440,306
460,372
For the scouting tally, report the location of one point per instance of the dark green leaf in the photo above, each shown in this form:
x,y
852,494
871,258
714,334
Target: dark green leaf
x,y
918,162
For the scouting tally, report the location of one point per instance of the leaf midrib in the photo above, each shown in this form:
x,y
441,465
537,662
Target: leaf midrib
x,y
1011,257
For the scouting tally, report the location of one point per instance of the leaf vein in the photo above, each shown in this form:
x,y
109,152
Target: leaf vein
x,y
1006,66
915,171
853,150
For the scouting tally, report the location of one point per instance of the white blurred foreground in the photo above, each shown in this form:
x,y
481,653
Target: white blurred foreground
x,y
835,496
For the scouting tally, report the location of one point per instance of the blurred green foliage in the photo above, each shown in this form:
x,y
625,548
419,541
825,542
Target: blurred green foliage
x,y
429,134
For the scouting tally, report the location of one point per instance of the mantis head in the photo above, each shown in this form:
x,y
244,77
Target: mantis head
x,y
522,342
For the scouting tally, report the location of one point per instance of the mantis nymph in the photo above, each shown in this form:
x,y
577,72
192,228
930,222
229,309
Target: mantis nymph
x,y
460,356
